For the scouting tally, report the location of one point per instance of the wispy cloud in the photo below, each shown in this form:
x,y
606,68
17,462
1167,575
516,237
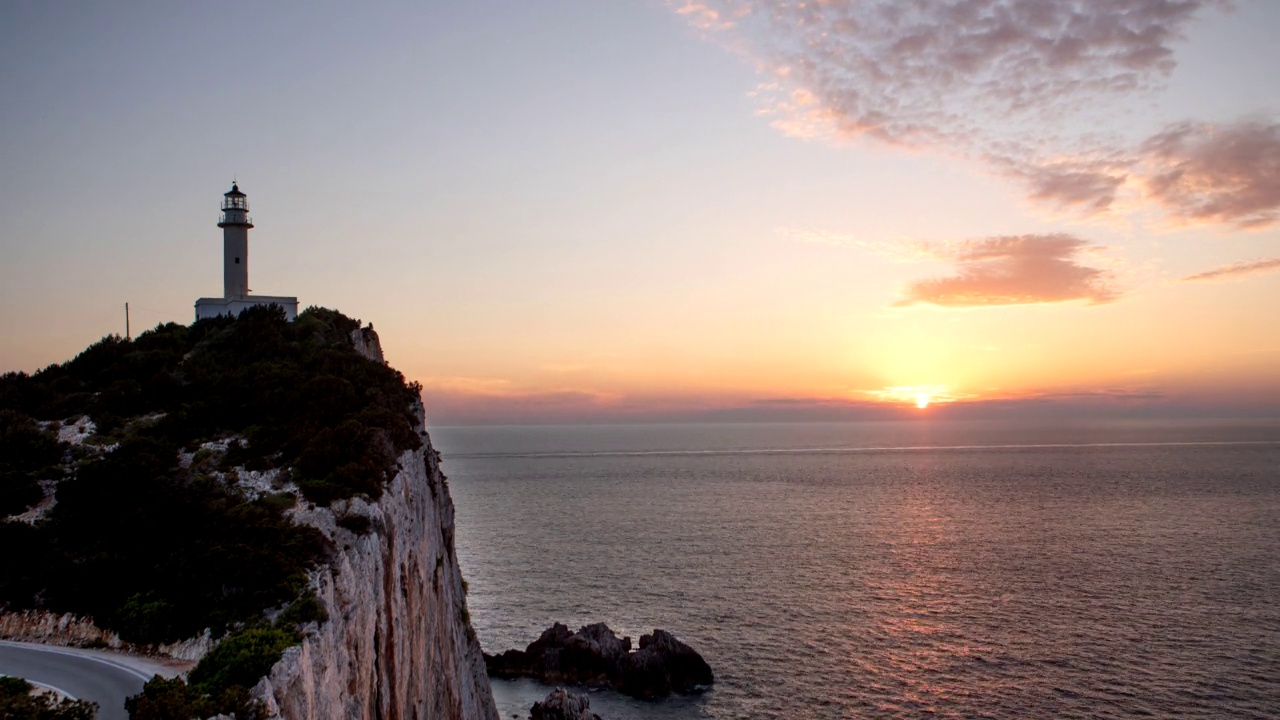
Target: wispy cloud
x,y
1088,184
1004,81
703,16
1012,270
916,71
1236,270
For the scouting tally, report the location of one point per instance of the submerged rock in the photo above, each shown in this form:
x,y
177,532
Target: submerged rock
x,y
560,704
596,656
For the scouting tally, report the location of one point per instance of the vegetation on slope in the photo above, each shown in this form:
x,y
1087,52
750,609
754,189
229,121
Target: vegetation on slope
x,y
150,533
18,702
219,684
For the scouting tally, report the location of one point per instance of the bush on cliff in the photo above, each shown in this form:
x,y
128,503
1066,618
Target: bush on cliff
x,y
157,551
241,659
219,683
174,699
18,703
27,454
158,556
277,384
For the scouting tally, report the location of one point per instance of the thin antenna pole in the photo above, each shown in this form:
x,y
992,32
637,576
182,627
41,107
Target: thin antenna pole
x,y
127,334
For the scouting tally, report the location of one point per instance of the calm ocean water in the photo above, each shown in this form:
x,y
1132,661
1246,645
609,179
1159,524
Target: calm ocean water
x,y
892,570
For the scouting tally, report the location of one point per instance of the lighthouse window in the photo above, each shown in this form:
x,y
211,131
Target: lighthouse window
x,y
237,261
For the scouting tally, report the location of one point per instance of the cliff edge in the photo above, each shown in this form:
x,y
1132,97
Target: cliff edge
x,y
398,642
254,496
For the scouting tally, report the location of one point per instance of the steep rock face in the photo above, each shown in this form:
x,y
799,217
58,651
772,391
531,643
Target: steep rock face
x,y
398,644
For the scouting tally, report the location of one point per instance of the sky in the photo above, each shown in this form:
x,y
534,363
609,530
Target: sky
x,y
645,210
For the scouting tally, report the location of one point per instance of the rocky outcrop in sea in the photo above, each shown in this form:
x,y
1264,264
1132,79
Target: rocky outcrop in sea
x,y
596,656
560,704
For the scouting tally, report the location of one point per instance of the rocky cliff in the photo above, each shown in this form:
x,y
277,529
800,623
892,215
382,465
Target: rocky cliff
x,y
232,462
398,643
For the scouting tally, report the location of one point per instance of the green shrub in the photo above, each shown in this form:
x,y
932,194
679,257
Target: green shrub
x,y
201,456
305,609
17,703
174,699
163,699
27,454
241,659
358,524
145,619
280,501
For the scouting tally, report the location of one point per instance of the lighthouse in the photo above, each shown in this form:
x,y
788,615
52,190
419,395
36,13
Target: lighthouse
x,y
235,223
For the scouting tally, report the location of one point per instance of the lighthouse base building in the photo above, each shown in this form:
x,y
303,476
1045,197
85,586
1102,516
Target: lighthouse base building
x,y
213,307
235,223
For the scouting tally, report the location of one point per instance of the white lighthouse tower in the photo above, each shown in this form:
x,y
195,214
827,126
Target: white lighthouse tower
x,y
235,223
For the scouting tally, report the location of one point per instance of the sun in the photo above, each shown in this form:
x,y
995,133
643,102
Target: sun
x,y
922,396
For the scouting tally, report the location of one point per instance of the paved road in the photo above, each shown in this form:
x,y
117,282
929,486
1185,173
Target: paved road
x,y
82,675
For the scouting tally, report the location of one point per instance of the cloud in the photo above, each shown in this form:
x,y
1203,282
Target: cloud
x,y
1224,173
1012,270
925,70
1196,172
1236,270
703,16
1005,81
1090,185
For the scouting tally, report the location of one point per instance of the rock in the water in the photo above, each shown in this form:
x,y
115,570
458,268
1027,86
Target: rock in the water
x,y
560,704
663,665
596,656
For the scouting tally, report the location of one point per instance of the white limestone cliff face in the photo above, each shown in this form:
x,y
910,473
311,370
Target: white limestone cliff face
x,y
398,644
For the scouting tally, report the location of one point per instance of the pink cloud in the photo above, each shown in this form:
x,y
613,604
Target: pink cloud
x,y
1012,270
1090,185
703,16
1236,270
1004,81
1223,173
924,71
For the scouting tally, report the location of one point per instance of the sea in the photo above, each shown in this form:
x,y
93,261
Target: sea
x,y
914,569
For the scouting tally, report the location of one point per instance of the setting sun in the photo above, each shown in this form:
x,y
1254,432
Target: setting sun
x,y
922,396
